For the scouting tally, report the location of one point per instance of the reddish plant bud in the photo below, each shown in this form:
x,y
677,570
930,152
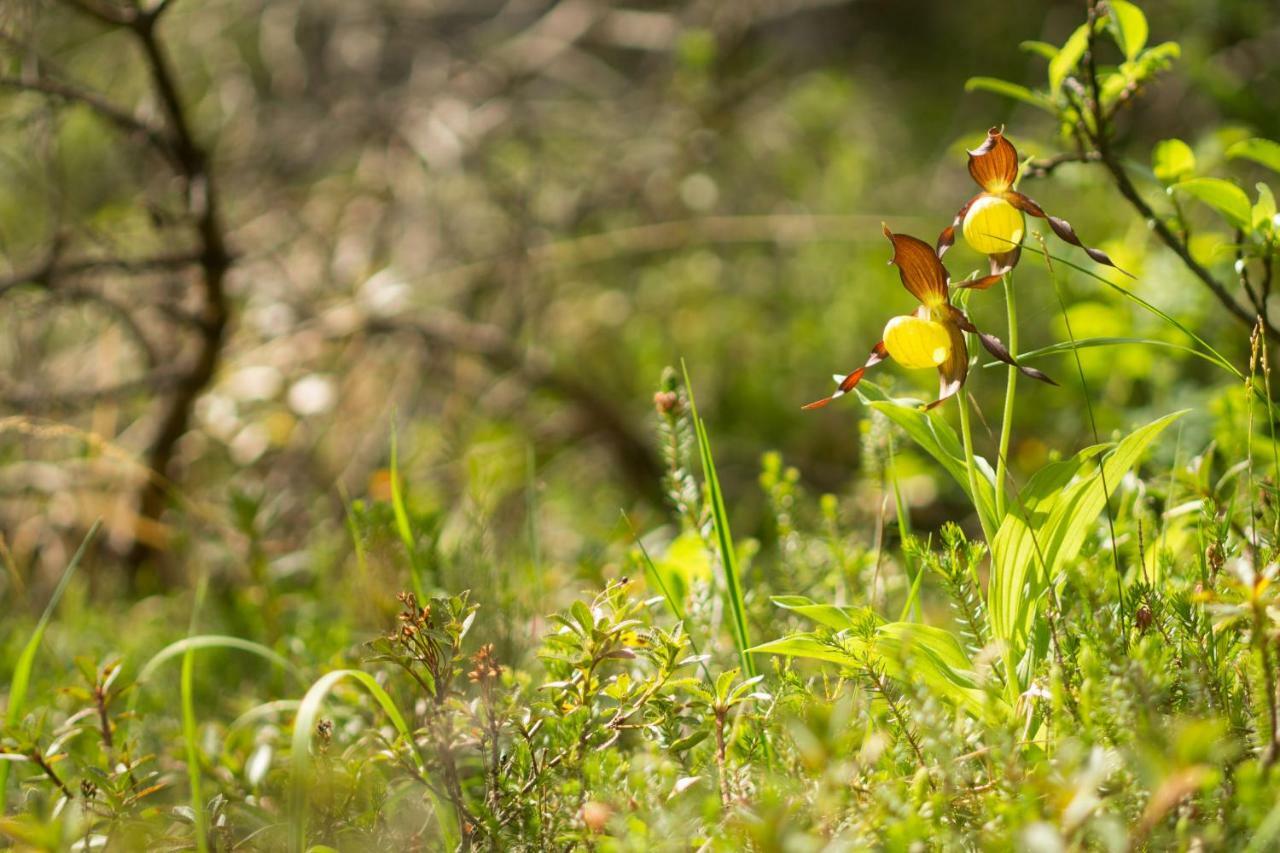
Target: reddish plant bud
x,y
666,402
595,815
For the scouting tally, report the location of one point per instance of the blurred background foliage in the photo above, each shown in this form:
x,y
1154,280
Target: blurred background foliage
x,y
492,224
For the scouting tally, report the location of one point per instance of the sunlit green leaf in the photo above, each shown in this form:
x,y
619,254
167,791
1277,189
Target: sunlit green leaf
x,y
1264,210
1008,90
832,616
1130,27
808,646
909,651
1065,61
1223,196
1152,61
1262,151
1172,160
1047,527
1113,85
1039,48
686,560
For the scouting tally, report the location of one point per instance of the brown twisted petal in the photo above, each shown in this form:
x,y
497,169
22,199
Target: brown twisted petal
x,y
994,163
1061,227
922,274
996,347
948,235
980,283
878,354
953,371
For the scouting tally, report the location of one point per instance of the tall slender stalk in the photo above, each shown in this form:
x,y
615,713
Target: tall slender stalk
x,y
1011,389
967,434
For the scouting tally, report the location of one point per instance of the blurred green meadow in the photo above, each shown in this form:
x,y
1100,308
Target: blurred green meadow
x,y
361,343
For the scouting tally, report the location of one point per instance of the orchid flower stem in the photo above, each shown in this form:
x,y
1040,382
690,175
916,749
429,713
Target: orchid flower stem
x,y
1010,393
967,434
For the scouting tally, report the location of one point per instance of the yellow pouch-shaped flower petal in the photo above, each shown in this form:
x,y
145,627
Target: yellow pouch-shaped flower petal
x,y
993,226
917,343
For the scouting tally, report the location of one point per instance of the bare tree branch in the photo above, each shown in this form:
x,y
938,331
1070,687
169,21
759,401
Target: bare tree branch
x,y
215,261
70,93
53,270
42,399
1043,167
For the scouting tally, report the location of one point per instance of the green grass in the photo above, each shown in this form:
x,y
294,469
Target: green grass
x,y
21,680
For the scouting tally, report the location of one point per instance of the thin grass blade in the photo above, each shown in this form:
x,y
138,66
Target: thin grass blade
x,y
26,660
728,555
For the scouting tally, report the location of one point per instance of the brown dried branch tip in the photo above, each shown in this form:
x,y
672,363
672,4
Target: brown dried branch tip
x,y
932,336
485,665
992,221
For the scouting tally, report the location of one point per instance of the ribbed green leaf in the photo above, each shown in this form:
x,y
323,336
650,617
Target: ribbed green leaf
x,y
910,651
1047,526
831,615
809,646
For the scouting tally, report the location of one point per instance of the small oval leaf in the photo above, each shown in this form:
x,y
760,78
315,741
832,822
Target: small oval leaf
x,y
1172,160
1130,27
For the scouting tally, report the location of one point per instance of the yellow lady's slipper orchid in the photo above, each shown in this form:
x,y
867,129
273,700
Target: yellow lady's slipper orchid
x,y
931,336
992,220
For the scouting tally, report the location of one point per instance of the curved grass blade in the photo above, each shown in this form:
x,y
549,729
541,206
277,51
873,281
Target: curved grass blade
x,y
305,724
215,641
26,659
1090,343
266,709
1133,297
